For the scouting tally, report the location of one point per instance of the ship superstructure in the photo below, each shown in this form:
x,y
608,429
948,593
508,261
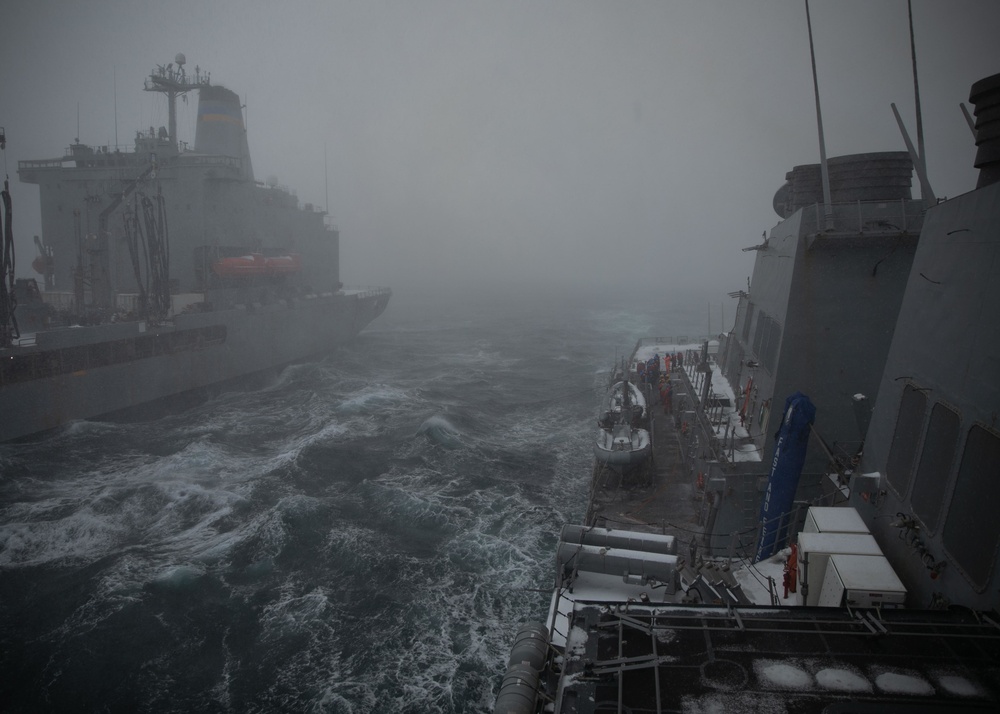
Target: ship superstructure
x,y
216,208
928,479
167,269
819,318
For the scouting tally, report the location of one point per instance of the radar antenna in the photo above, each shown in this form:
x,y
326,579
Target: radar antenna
x,y
173,82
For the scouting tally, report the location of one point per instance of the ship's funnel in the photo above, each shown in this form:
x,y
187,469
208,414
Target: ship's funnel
x,y
878,176
985,94
220,129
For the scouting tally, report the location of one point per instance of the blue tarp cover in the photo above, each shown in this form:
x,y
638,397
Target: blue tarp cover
x,y
786,467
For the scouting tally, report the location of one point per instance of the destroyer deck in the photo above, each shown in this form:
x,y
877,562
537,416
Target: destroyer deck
x,y
707,648
662,499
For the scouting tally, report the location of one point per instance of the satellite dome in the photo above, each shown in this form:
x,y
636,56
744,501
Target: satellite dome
x,y
180,59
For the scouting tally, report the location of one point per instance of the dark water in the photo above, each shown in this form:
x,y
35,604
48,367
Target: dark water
x,y
361,534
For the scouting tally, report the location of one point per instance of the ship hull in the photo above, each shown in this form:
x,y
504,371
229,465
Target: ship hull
x,y
195,352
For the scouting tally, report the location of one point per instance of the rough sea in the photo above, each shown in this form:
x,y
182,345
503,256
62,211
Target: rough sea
x,y
364,533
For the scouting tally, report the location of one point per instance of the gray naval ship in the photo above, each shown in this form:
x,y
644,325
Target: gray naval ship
x,y
166,270
819,531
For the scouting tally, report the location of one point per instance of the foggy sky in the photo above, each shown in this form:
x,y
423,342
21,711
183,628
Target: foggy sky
x,y
470,143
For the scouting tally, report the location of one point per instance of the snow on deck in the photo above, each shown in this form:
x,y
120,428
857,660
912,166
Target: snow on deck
x,y
753,579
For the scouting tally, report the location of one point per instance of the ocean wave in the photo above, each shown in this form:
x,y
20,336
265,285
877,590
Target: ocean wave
x,y
358,534
439,430
372,398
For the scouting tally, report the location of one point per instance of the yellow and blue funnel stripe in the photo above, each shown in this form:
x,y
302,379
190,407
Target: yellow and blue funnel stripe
x,y
215,111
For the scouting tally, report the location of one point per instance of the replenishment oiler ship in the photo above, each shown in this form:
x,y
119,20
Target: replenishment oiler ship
x,y
818,532
165,270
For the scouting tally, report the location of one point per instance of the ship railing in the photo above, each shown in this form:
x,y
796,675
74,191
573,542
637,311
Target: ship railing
x,y
787,526
125,302
706,416
113,156
869,217
206,160
116,156
675,340
59,300
39,164
367,291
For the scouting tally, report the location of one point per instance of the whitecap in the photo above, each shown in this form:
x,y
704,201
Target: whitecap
x,y
179,577
371,398
441,431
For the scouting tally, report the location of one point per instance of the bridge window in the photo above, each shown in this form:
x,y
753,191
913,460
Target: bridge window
x,y
936,458
899,467
972,529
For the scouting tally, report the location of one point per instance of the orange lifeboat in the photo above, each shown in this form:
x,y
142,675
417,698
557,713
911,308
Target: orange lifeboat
x,y
252,264
255,264
284,264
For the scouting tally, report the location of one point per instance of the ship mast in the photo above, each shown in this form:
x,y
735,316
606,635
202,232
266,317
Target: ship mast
x,y
173,82
824,173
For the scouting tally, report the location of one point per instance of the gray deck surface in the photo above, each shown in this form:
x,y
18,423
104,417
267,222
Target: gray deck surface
x,y
661,499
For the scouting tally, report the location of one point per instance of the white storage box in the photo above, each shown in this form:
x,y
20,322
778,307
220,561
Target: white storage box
x,y
815,550
861,581
833,519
